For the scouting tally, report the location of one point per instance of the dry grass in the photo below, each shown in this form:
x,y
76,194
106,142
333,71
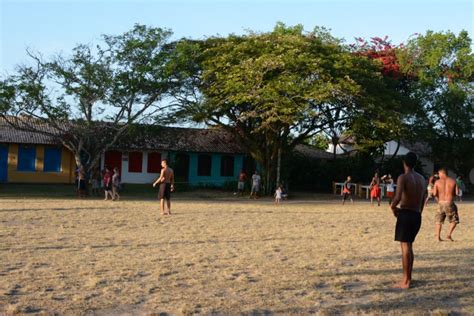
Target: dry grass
x,y
93,257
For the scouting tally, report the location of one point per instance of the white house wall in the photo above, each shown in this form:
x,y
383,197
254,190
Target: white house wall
x,y
391,147
136,177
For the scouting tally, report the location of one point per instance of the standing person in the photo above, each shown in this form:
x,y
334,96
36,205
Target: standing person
x,y
115,185
445,189
429,188
256,180
241,182
375,191
346,191
278,195
390,188
166,182
95,181
461,188
81,182
108,184
411,196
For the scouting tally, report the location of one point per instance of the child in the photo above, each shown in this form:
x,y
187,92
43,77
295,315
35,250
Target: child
x,y
346,191
278,194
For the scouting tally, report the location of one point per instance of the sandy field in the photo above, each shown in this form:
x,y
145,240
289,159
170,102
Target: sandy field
x,y
91,257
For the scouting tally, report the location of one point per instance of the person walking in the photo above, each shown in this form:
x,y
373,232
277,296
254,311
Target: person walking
x,y
347,191
241,182
429,188
256,181
166,182
390,187
445,189
108,184
461,188
116,185
375,191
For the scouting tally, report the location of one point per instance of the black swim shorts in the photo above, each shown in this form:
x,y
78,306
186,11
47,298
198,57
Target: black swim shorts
x,y
408,225
165,191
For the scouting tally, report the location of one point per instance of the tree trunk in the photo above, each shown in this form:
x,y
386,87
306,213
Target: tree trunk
x,y
278,167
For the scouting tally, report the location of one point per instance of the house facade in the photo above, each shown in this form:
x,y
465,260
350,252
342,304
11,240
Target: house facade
x,y
208,157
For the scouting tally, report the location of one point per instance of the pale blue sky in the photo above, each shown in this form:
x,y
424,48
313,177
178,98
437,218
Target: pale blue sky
x,y
54,26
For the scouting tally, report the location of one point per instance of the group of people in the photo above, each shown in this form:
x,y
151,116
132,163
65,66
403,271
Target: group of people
x,y
111,182
374,188
255,185
407,204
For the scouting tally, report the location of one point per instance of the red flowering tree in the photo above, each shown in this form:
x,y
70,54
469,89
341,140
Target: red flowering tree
x,y
380,49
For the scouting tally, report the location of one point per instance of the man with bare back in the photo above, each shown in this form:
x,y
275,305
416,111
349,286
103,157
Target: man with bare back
x,y
410,194
166,182
445,189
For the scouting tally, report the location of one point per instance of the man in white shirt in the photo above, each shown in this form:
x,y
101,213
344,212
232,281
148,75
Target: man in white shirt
x,y
256,180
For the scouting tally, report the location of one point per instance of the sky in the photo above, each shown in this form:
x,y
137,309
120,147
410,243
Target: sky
x,y
56,26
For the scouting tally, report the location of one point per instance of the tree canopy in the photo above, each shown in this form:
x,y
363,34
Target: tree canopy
x,y
90,98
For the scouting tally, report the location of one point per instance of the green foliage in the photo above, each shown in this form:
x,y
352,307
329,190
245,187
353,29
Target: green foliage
x,y
275,90
442,67
93,92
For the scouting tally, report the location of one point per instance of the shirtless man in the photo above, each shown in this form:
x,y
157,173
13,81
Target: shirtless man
x,y
445,189
166,182
411,192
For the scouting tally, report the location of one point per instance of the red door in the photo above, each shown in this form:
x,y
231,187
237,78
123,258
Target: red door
x,y
113,159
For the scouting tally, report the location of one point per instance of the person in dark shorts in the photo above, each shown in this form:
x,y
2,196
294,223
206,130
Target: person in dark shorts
x,y
411,194
166,182
346,191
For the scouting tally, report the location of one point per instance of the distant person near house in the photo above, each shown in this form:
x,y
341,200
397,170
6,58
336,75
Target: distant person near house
x,y
347,190
108,184
461,188
166,182
411,196
278,194
241,182
429,188
256,181
445,189
116,185
375,191
388,180
95,182
81,182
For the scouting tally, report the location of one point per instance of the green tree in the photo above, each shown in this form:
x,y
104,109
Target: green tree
x,y
275,90
442,67
88,100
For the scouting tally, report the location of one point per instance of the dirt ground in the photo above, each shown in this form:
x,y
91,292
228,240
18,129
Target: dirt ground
x,y
238,257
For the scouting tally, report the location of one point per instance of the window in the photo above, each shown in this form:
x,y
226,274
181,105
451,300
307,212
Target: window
x,y
204,165
135,159
26,158
154,163
52,159
227,166
113,159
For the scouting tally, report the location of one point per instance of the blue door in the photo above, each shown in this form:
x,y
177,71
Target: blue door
x,y
3,163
